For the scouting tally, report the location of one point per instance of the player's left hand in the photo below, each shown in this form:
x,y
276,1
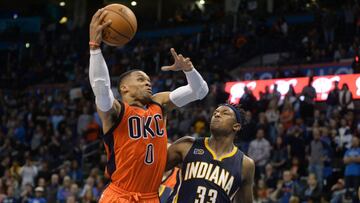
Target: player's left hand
x,y
181,63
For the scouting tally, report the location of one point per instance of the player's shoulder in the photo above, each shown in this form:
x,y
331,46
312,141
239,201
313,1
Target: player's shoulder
x,y
185,140
248,169
248,162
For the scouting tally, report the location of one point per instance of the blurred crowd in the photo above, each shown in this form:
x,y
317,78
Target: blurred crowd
x,y
303,150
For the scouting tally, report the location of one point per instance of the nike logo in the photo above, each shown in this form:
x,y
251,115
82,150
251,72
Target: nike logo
x,y
198,151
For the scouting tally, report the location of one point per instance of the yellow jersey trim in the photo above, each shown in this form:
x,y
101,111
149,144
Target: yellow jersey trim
x,y
178,189
161,189
232,153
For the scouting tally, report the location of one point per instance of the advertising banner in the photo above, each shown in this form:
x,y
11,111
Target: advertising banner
x,y
322,84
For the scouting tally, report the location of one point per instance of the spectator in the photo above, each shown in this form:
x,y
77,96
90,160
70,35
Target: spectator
x,y
71,199
287,116
333,99
39,192
75,172
279,155
91,188
248,100
27,193
308,103
270,177
272,116
312,192
10,195
84,120
291,94
51,191
28,173
352,169
285,189
275,93
261,192
64,191
259,151
74,191
346,99
296,147
4,164
89,196
316,155
337,190
343,139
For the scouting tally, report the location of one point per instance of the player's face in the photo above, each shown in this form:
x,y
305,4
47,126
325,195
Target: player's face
x,y
224,119
139,85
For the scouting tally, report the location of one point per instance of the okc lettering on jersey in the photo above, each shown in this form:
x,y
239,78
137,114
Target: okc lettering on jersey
x,y
141,127
217,175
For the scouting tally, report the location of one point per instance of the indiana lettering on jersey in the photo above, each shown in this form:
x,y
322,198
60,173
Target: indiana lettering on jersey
x,y
204,170
145,126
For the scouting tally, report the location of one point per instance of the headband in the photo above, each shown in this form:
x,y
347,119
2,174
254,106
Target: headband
x,y
236,111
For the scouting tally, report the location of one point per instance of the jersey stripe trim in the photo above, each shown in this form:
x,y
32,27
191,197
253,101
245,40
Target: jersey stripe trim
x,y
110,165
178,189
161,107
172,171
161,189
232,153
118,119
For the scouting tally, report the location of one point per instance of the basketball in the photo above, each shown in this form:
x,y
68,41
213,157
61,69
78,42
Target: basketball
x,y
123,26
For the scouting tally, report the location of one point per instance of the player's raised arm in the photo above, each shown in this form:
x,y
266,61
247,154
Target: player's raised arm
x,y
245,193
177,151
99,74
196,88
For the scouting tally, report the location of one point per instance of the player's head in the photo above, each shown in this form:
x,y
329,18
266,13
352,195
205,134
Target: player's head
x,y
135,84
227,119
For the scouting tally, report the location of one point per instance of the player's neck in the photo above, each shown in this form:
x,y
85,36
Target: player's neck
x,y
221,145
133,101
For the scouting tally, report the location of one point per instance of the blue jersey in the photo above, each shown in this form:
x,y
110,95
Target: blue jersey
x,y
207,178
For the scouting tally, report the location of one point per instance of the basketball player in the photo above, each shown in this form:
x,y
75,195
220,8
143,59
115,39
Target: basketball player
x,y
213,169
134,129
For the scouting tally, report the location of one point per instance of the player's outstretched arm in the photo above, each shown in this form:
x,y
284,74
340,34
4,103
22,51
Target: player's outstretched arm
x,y
177,151
99,76
196,89
245,193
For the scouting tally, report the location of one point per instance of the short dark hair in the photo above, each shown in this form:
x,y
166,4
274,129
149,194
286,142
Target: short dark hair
x,y
126,74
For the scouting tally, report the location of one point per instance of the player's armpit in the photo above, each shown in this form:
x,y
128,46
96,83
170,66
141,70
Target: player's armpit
x,y
163,98
177,151
245,193
108,118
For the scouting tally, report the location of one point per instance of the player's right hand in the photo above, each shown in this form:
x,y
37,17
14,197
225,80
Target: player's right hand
x,y
97,25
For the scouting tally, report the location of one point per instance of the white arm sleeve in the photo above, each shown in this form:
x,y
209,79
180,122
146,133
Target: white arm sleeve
x,y
100,81
196,89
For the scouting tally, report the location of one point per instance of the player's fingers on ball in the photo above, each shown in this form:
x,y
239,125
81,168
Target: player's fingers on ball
x,y
102,17
97,14
173,53
103,26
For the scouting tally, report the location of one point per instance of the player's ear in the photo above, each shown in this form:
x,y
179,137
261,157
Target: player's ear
x,y
123,88
236,127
